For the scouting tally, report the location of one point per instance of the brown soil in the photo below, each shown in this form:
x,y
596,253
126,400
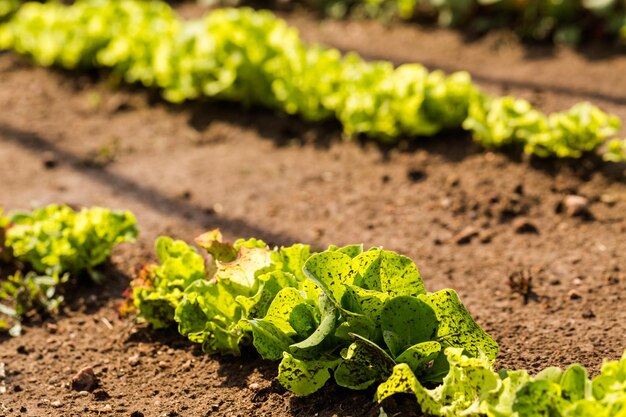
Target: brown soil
x,y
470,219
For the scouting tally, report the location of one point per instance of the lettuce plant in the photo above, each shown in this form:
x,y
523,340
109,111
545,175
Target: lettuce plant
x,y
471,388
254,58
616,151
56,239
7,7
345,312
558,21
495,122
52,244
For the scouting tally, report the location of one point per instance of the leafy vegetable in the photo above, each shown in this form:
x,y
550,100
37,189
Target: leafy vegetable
x,y
56,239
343,313
7,7
362,318
472,388
616,151
56,242
212,304
253,57
559,21
506,120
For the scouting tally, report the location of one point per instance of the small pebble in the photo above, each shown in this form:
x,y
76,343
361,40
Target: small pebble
x,y
485,236
573,295
134,360
466,235
56,404
84,380
589,315
107,408
576,205
52,328
524,226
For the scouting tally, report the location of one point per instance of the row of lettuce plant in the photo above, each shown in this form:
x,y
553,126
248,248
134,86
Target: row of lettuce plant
x,y
561,21
46,248
538,20
360,317
472,388
254,58
7,7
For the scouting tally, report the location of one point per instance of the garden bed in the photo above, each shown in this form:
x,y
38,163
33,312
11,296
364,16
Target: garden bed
x,y
471,220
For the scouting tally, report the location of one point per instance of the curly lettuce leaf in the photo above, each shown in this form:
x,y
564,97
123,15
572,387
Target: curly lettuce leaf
x,y
56,239
208,314
407,321
159,289
456,327
364,363
304,377
388,272
468,381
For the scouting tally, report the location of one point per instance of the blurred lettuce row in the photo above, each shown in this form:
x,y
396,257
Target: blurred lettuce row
x,y
538,20
346,313
615,150
473,389
54,244
501,121
7,7
254,58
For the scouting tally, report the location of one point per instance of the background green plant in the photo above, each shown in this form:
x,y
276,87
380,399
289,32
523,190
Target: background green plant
x,y
569,21
254,58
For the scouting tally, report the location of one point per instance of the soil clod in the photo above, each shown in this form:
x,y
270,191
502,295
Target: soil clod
x,y
574,295
466,235
84,380
525,226
588,315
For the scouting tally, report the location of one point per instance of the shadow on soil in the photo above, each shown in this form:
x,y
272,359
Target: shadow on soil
x,y
454,145
283,130
192,213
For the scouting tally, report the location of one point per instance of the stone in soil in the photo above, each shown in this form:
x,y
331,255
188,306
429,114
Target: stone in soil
x,y
84,380
576,205
524,226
